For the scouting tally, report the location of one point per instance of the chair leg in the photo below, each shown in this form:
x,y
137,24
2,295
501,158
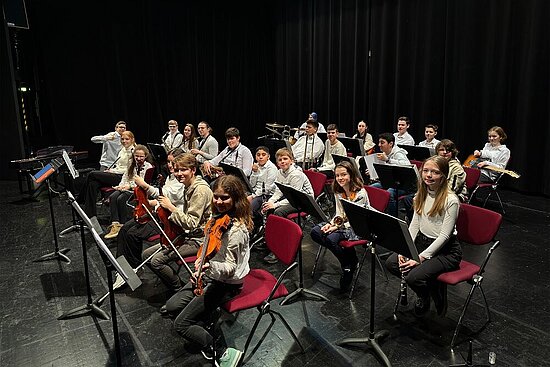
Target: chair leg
x,y
488,311
500,202
317,257
461,318
358,271
289,329
252,331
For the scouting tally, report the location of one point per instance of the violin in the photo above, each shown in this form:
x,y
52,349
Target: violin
x,y
173,232
140,214
213,232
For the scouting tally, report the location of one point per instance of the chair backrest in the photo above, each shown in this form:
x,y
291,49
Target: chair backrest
x,y
282,237
378,198
472,177
418,164
477,226
317,180
148,177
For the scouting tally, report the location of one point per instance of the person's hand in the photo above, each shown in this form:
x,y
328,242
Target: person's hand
x,y
140,181
328,228
482,164
195,151
165,203
255,167
267,206
382,156
249,198
477,153
207,167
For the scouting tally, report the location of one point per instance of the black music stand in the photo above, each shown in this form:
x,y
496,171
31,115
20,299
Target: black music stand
x,y
389,232
41,176
120,265
400,178
341,158
304,203
418,153
353,145
237,172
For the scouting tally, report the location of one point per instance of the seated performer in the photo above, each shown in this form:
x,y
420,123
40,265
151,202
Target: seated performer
x,y
430,131
291,175
111,177
309,147
362,133
208,145
402,137
189,138
191,216
225,268
120,211
132,234
494,154
347,185
262,181
111,145
433,231
173,138
332,146
235,154
302,129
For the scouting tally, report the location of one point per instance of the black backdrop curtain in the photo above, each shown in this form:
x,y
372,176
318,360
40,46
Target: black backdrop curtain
x,y
464,65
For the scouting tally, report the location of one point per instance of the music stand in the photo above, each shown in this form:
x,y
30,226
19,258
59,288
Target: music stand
x,y
322,136
341,158
304,203
39,177
120,265
353,145
158,152
418,153
239,173
401,178
389,232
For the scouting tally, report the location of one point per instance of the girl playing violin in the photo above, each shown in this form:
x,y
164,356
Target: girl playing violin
x,y
226,266
347,185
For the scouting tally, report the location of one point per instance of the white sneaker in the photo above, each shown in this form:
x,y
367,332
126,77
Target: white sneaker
x,y
230,358
119,282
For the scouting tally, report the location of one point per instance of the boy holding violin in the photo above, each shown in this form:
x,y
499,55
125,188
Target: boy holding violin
x,y
223,259
191,217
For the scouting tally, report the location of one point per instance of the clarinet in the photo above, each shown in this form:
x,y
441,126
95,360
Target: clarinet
x,y
403,289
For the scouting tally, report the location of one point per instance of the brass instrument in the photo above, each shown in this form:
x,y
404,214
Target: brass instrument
x,y
215,172
339,221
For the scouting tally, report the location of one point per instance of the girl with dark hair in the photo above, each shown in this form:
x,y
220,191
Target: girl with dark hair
x,y
434,233
349,186
226,270
189,138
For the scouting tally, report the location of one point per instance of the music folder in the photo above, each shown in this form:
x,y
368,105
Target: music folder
x,y
381,228
353,145
417,153
236,171
47,170
340,158
302,201
158,152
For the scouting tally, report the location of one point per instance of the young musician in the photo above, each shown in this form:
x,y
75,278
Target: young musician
x,y
332,146
111,145
225,268
362,133
120,211
433,231
457,177
173,138
349,186
402,137
110,177
494,154
208,145
189,138
302,129
190,215
291,175
132,234
235,154
309,147
262,180
430,131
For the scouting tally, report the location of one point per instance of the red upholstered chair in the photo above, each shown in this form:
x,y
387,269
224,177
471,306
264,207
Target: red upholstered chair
x,y
418,164
472,177
475,226
492,188
378,199
260,287
317,180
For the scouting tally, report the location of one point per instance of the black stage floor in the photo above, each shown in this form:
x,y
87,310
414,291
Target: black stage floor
x,y
34,295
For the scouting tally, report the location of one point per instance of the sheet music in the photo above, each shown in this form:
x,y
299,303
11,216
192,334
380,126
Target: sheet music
x,y
370,160
69,164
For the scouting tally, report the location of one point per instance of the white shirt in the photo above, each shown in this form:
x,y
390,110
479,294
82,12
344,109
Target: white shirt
x,y
405,139
314,143
263,180
432,144
240,157
328,162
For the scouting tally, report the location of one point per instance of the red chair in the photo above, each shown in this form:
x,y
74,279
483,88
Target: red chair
x,y
418,164
472,178
475,226
317,180
379,200
260,287
492,187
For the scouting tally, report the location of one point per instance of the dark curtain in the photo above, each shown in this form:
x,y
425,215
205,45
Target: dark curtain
x,y
464,65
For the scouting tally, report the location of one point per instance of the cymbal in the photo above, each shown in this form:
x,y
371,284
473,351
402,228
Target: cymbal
x,y
297,129
275,126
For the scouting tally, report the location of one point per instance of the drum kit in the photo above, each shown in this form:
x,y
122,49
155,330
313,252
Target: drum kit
x,y
283,132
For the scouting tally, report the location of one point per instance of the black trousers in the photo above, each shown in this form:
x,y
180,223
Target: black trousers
x,y
94,181
424,276
130,240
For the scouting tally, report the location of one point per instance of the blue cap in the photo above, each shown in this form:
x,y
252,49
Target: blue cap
x,y
313,116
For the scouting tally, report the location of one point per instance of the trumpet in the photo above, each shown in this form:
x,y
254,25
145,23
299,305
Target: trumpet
x,y
339,221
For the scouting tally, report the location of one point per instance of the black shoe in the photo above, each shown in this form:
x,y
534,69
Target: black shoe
x,y
164,312
439,295
422,306
271,258
346,279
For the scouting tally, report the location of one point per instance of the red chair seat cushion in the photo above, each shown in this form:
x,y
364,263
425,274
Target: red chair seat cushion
x,y
258,283
465,272
153,238
348,244
295,215
486,184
